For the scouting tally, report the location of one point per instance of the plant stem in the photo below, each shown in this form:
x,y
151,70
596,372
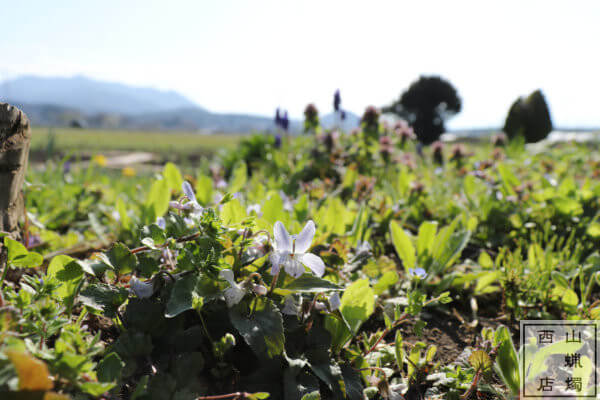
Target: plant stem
x,y
236,395
274,282
179,240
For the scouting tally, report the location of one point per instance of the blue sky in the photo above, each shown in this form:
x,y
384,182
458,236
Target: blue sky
x,y
252,56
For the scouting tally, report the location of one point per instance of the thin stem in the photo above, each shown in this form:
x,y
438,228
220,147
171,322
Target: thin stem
x,y
274,282
204,327
236,395
386,331
179,240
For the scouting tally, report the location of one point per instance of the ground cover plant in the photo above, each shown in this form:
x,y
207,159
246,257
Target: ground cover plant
x,y
333,265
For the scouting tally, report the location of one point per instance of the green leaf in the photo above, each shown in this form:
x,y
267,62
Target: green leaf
x,y
172,177
273,209
233,212
403,245
311,283
399,350
358,303
96,389
387,280
69,272
426,236
204,190
109,368
184,296
567,206
509,180
486,279
239,177
120,259
480,360
593,230
19,257
103,298
485,260
158,198
263,330
507,363
122,210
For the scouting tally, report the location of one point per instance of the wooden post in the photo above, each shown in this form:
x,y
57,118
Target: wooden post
x,y
15,137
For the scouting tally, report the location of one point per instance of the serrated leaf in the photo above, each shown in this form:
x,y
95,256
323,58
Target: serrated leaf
x,y
103,298
68,271
109,368
480,360
263,330
184,296
19,256
120,258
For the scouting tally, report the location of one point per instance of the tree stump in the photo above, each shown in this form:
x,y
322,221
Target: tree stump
x,y
15,137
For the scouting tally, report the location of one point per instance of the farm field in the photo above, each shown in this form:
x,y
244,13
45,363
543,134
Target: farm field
x,y
183,144
330,266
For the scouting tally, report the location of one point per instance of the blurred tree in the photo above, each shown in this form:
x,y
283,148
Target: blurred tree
x,y
426,105
529,117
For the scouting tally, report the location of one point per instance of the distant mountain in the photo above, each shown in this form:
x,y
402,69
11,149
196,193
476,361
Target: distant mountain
x,y
90,96
84,102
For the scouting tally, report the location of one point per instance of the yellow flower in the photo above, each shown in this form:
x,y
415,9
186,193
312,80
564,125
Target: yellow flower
x,y
99,159
128,171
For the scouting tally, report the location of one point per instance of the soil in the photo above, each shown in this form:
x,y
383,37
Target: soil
x,y
449,333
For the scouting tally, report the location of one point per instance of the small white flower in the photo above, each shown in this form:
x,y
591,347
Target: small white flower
x,y
160,221
234,293
142,290
288,202
291,251
190,205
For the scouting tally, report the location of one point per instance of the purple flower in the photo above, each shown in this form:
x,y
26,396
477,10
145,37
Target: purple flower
x,y
285,121
337,100
277,141
277,118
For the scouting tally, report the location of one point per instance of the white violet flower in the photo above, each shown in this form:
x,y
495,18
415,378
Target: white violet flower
x,y
192,204
291,251
234,293
142,290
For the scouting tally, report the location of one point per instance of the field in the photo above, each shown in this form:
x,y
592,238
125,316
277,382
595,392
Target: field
x,y
404,277
182,144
